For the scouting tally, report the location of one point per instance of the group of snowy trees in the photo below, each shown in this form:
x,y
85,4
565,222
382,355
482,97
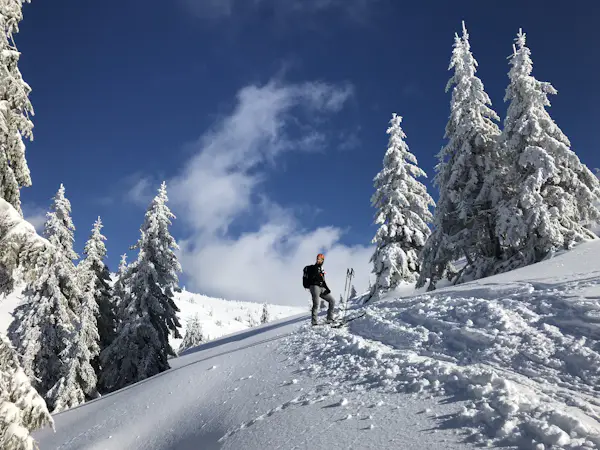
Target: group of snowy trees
x,y
76,335
507,198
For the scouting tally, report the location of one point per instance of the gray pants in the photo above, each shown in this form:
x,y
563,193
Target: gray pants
x,y
317,292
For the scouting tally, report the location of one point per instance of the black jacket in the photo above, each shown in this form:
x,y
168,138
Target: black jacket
x,y
316,276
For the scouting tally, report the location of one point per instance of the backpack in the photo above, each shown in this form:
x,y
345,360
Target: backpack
x,y
305,280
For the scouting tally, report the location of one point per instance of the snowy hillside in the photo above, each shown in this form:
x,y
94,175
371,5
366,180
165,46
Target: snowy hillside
x,y
523,348
218,317
512,360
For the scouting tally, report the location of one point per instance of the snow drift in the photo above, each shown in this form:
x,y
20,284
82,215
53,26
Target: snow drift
x,y
522,348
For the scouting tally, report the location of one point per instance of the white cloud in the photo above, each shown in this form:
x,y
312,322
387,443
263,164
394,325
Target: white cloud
x,y
222,183
217,183
35,215
139,190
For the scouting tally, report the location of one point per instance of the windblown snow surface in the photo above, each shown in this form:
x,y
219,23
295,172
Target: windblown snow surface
x,y
509,361
521,348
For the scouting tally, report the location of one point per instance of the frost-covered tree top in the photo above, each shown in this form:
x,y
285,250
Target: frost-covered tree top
x,y
95,249
15,108
469,159
402,201
550,193
157,264
156,243
122,265
467,172
59,227
402,205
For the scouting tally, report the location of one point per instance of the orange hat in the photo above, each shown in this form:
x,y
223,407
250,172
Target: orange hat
x,y
321,255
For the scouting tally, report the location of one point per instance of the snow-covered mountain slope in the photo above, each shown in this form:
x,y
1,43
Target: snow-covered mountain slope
x,y
523,348
248,391
218,317
509,361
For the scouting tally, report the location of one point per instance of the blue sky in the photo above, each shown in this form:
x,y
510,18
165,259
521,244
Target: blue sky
x,y
267,118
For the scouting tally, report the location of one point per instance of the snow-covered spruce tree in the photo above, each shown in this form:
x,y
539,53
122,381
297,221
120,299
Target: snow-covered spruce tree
x,y
141,348
464,218
81,365
550,196
252,321
264,317
403,213
43,325
194,336
15,108
22,409
78,381
59,227
95,276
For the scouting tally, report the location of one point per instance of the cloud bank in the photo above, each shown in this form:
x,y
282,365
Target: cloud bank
x,y
222,184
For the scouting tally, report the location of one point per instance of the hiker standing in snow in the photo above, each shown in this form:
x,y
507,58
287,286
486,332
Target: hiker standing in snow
x,y
314,280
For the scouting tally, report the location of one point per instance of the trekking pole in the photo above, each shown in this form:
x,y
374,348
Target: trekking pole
x,y
349,275
346,284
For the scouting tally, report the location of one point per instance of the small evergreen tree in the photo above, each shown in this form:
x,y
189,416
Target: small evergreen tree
x,y
252,322
141,348
467,177
403,213
264,318
550,197
59,228
194,335
353,293
15,109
